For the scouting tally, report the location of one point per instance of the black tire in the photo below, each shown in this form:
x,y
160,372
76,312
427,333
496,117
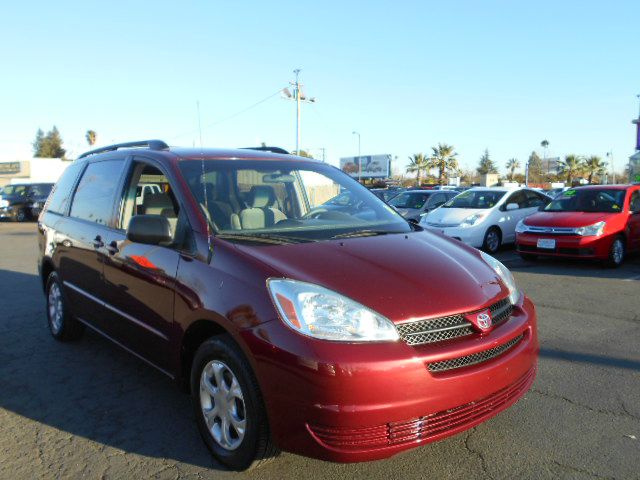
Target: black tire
x,y
616,253
529,257
63,328
492,240
21,215
255,447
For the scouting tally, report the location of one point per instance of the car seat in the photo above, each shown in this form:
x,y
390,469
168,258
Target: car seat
x,y
261,213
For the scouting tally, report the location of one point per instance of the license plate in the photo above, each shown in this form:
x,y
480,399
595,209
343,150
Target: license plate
x,y
548,243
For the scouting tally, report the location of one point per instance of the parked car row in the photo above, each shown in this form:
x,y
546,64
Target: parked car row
x,y
21,202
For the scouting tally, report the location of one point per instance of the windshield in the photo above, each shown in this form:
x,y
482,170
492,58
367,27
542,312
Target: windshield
x,y
475,199
17,190
588,200
410,200
41,190
286,201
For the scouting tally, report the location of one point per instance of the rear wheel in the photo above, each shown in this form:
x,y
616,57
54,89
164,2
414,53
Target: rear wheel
x,y
229,411
62,325
21,216
492,240
616,253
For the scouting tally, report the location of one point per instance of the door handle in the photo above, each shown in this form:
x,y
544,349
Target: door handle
x,y
112,248
97,242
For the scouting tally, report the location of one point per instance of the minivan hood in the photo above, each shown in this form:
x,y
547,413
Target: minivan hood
x,y
566,219
453,216
401,276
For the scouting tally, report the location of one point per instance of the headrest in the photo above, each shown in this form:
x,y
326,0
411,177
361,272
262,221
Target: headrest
x,y
154,203
261,196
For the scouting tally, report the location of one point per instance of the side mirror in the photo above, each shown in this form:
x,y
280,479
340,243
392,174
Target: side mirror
x,y
512,206
149,229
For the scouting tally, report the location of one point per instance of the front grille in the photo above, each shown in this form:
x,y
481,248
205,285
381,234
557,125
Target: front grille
x,y
423,429
446,328
474,358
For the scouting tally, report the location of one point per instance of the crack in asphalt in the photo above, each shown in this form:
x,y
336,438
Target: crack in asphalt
x,y
477,453
624,414
581,471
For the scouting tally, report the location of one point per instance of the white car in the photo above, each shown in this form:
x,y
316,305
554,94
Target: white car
x,y
485,217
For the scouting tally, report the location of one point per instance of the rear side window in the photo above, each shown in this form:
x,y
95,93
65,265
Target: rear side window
x,y
94,196
59,198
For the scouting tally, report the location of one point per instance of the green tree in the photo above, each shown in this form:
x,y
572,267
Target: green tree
x,y
486,165
571,167
444,159
512,165
303,153
594,166
417,163
49,145
536,168
91,137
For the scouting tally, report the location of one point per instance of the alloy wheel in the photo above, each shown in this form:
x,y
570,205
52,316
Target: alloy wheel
x,y
222,404
617,251
55,308
493,241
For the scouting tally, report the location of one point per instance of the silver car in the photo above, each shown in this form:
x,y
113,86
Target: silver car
x,y
412,204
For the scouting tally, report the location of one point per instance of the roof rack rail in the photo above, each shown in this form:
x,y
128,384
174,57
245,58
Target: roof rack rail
x,y
267,149
151,144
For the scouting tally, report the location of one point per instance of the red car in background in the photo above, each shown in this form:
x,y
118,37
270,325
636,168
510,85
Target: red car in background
x,y
596,221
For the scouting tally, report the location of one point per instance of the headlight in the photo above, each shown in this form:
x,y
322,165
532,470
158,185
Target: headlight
x,y
505,275
471,220
521,227
596,229
320,313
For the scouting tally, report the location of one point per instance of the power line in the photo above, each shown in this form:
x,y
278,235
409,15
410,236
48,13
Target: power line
x,y
234,115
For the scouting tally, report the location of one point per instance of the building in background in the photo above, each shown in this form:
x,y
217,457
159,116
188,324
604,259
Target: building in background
x,y
34,170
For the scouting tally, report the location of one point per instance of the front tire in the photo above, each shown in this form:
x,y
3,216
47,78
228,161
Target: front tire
x,y
228,406
492,240
616,253
62,325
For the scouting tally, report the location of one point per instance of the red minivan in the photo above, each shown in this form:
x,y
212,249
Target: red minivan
x,y
345,335
596,221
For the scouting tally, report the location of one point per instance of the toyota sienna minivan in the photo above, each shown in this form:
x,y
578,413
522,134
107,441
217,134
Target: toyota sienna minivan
x,y
341,335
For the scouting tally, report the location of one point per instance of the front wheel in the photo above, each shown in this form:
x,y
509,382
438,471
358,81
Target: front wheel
x,y
228,406
616,253
492,240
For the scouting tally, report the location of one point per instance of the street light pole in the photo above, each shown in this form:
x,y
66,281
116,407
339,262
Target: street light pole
x,y
359,159
613,170
296,93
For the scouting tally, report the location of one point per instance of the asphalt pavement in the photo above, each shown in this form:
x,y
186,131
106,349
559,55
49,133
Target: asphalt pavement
x,y
91,410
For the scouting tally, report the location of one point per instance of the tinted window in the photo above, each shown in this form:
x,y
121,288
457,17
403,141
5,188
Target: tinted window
x,y
475,199
635,201
588,200
59,198
536,199
94,196
410,200
518,197
41,190
437,199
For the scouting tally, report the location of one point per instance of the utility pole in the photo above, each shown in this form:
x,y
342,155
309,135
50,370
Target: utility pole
x,y
613,170
359,159
298,96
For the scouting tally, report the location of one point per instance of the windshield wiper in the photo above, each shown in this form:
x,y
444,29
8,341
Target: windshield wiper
x,y
260,237
361,233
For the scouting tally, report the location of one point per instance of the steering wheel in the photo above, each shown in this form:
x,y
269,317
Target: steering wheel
x,y
315,213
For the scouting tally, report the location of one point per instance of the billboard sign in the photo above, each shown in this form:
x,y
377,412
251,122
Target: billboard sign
x,y
367,166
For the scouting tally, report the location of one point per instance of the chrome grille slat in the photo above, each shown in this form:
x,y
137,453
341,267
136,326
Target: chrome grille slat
x,y
474,358
447,328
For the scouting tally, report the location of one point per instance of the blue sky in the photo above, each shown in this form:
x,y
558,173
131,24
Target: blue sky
x,y
501,75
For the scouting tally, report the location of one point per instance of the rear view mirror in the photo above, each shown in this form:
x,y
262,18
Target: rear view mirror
x,y
512,206
149,229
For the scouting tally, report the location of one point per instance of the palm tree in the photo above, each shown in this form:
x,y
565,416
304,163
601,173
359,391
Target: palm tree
x,y
594,166
417,163
91,137
572,166
512,165
443,159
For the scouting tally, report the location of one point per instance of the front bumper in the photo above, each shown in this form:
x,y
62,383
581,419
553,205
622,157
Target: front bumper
x,y
360,402
471,235
566,246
